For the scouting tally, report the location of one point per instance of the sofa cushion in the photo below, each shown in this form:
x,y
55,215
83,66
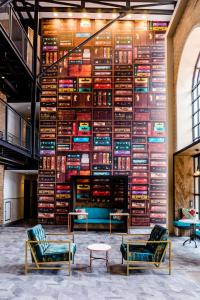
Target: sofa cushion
x,y
37,233
181,224
189,213
59,252
98,221
136,253
81,210
98,212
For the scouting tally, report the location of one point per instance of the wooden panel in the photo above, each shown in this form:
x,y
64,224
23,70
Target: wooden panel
x,y
183,182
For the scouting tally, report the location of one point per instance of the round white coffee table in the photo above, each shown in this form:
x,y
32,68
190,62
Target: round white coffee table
x,y
97,248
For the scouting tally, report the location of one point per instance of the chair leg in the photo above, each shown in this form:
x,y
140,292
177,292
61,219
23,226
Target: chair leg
x,y
25,266
122,260
170,258
127,269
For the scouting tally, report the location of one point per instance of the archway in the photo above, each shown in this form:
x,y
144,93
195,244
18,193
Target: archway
x,y
183,89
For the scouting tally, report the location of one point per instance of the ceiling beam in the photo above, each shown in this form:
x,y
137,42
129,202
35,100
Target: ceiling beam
x,y
97,1
107,4
103,10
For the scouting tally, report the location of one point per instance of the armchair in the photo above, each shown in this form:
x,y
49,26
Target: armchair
x,y
46,252
144,254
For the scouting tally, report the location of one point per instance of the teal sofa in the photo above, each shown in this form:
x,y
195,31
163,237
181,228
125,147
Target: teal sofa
x,y
99,218
150,252
46,252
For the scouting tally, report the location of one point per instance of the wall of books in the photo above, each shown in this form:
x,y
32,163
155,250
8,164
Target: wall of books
x,y
103,112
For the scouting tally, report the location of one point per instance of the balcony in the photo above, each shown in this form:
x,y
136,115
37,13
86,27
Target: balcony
x,y
16,57
15,131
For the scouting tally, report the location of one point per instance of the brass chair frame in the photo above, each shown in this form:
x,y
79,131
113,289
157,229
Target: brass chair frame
x,y
146,264
41,265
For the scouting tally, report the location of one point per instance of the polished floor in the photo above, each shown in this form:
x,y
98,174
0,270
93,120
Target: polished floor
x,y
96,284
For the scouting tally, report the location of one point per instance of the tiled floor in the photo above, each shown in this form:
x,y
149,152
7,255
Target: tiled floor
x,y
98,284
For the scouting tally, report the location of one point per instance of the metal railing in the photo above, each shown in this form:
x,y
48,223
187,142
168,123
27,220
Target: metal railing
x,y
14,129
16,33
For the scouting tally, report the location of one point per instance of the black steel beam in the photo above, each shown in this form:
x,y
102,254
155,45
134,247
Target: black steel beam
x,y
34,83
103,10
107,4
97,1
62,3
80,45
152,4
5,2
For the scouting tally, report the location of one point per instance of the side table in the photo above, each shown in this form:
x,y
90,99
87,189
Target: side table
x,y
96,248
193,224
127,215
70,214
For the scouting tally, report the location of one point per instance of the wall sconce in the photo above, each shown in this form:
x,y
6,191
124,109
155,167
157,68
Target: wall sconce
x,y
197,172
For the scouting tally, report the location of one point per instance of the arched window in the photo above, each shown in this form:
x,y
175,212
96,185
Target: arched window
x,y
196,101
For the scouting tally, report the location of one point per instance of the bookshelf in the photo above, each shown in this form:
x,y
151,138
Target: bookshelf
x,y
103,113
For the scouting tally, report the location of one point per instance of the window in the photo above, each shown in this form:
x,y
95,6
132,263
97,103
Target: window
x,y
196,101
197,185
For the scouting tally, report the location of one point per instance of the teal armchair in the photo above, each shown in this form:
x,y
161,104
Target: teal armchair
x,y
144,254
48,254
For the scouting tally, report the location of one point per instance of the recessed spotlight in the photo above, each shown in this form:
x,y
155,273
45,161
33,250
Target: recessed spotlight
x,y
114,15
70,14
99,15
28,107
55,14
144,17
129,16
84,15
2,77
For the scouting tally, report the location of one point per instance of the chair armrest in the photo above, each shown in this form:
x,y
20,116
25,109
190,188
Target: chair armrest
x,y
147,242
133,234
63,234
49,241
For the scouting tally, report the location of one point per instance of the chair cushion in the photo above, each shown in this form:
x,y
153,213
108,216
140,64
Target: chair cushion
x,y
156,235
59,252
98,221
197,232
136,253
37,233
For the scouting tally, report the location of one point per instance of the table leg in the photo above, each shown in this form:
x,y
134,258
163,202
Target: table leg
x,y
110,225
68,223
107,259
127,220
87,223
90,259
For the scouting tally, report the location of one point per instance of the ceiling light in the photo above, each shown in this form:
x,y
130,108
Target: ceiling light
x,y
2,77
99,15
114,15
70,14
29,107
129,16
55,14
144,17
84,15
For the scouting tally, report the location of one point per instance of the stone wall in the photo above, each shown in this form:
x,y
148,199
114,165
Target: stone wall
x,y
1,193
189,20
185,19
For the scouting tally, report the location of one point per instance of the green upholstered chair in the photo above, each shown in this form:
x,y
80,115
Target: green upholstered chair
x,y
48,254
143,254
